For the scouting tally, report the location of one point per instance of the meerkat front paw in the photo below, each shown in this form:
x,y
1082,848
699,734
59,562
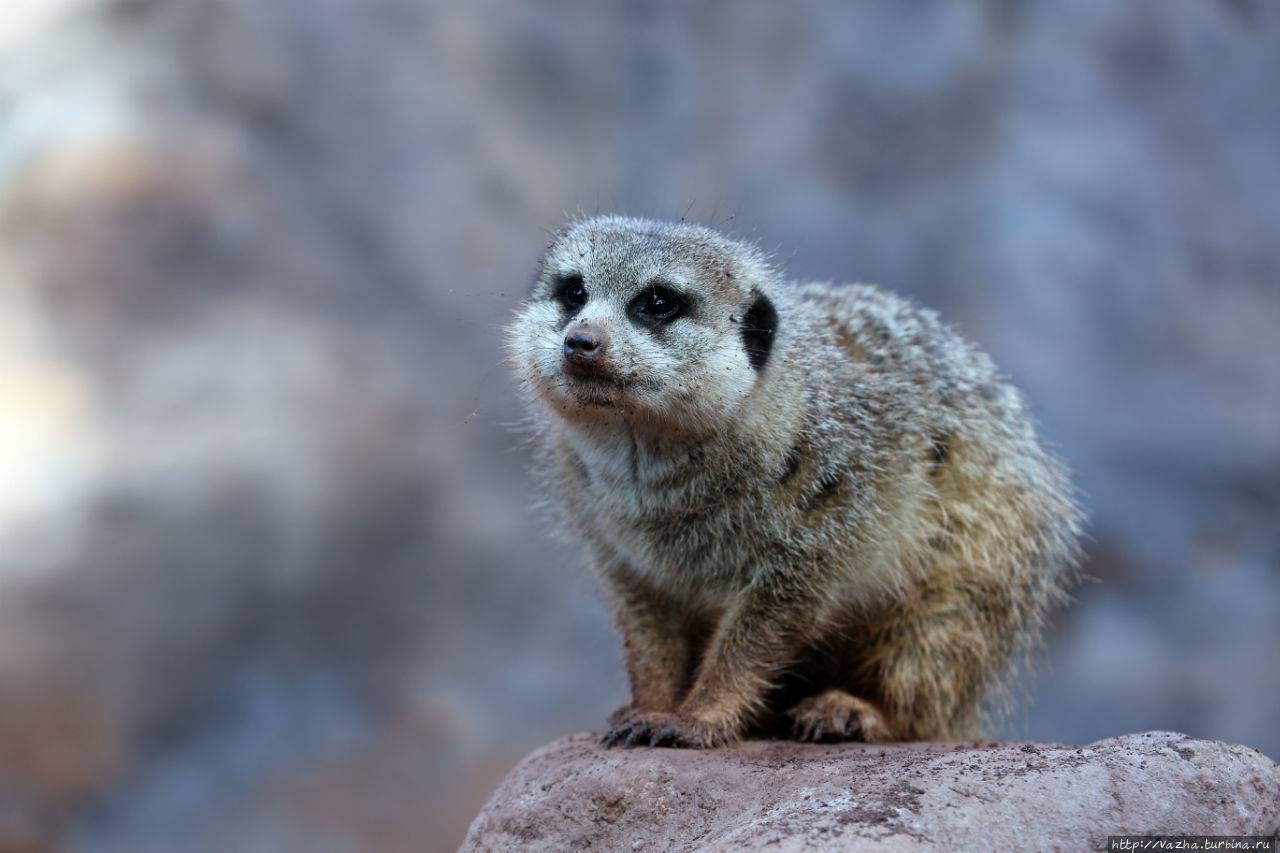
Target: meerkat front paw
x,y
836,715
658,729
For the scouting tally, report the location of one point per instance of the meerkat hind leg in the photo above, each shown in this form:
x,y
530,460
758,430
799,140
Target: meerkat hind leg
x,y
835,715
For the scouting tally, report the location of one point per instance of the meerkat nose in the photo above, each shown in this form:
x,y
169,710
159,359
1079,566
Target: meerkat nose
x,y
583,342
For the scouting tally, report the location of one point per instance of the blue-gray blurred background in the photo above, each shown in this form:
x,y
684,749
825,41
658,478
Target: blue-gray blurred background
x,y
270,574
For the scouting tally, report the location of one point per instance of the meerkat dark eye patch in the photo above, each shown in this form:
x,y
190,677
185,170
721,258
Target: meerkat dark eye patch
x,y
657,304
570,291
758,326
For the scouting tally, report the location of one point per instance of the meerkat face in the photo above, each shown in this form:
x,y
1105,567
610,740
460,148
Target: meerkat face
x,y
656,324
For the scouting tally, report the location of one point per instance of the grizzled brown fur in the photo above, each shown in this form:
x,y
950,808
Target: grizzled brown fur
x,y
810,504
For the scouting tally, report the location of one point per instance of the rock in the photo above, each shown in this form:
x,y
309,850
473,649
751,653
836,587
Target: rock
x,y
773,795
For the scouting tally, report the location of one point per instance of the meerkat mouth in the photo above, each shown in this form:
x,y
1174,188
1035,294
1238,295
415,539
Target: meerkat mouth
x,y
594,388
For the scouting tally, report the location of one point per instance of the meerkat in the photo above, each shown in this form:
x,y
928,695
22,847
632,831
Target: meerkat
x,y
816,510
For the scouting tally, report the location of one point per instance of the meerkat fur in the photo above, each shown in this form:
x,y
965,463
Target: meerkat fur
x,y
814,508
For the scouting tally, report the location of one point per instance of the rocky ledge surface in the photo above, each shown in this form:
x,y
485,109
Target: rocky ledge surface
x,y
779,796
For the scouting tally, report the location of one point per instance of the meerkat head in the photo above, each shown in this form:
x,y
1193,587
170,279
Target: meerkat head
x,y
646,323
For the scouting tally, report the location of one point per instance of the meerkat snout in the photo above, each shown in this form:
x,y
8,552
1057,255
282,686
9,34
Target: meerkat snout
x,y
584,342
585,350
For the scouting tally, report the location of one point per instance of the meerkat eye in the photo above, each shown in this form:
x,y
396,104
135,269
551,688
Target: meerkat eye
x,y
657,304
570,291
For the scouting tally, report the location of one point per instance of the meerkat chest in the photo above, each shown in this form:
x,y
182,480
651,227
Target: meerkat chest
x,y
673,513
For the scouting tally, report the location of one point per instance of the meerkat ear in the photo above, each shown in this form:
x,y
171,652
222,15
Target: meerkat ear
x,y
758,325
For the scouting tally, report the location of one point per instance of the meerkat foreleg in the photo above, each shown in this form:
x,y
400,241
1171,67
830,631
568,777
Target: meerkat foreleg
x,y
758,635
656,645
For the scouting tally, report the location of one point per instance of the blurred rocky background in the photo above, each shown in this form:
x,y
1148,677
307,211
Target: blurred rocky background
x,y
270,577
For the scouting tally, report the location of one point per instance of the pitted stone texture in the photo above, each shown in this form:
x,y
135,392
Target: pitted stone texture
x,y
780,796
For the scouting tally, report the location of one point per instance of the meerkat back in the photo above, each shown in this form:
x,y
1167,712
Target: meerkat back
x,y
816,510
